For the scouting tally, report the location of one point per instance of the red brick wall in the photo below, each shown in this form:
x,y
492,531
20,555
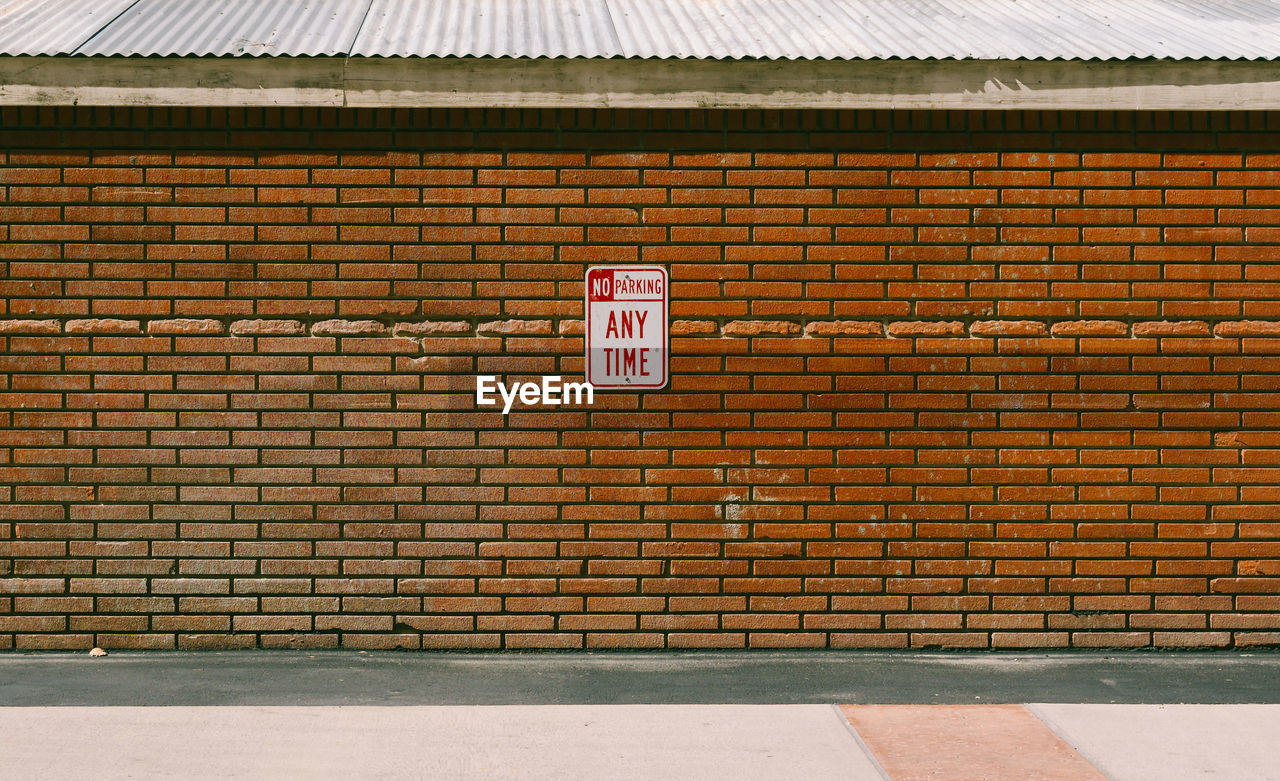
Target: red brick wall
x,y
938,379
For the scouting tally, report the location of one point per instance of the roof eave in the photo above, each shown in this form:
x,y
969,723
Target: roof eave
x,y
1216,85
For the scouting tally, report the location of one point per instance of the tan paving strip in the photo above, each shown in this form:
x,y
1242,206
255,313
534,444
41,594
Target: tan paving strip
x,y
966,743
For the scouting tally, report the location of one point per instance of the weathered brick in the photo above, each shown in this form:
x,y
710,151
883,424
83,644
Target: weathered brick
x,y
691,327
185,327
760,328
1089,328
904,329
515,327
30,327
843,328
1171,328
1008,328
267,328
103,326
432,327
348,328
1247,328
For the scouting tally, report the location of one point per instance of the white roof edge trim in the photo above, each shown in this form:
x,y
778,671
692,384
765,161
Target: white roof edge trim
x,y
581,83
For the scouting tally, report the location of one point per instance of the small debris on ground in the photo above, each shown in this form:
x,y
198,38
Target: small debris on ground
x,y
97,652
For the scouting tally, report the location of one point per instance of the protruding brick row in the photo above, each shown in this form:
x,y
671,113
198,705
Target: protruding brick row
x,y
574,327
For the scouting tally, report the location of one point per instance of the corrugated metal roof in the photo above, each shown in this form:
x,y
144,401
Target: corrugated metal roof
x,y
488,28
310,28
701,29
949,29
53,26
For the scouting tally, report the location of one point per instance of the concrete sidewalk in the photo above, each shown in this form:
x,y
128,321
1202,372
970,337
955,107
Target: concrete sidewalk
x,y
642,716
660,742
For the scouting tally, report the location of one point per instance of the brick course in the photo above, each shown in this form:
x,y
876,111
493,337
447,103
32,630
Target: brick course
x,y
938,379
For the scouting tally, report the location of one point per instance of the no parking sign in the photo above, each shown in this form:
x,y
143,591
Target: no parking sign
x,y
627,313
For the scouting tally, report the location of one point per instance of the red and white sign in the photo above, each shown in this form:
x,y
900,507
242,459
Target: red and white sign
x,y
627,310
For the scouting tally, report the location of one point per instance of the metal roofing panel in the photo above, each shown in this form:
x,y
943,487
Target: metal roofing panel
x,y
695,29
487,28
232,28
53,26
949,29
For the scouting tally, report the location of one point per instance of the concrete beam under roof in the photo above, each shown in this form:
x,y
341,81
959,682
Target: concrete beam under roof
x,y
621,83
